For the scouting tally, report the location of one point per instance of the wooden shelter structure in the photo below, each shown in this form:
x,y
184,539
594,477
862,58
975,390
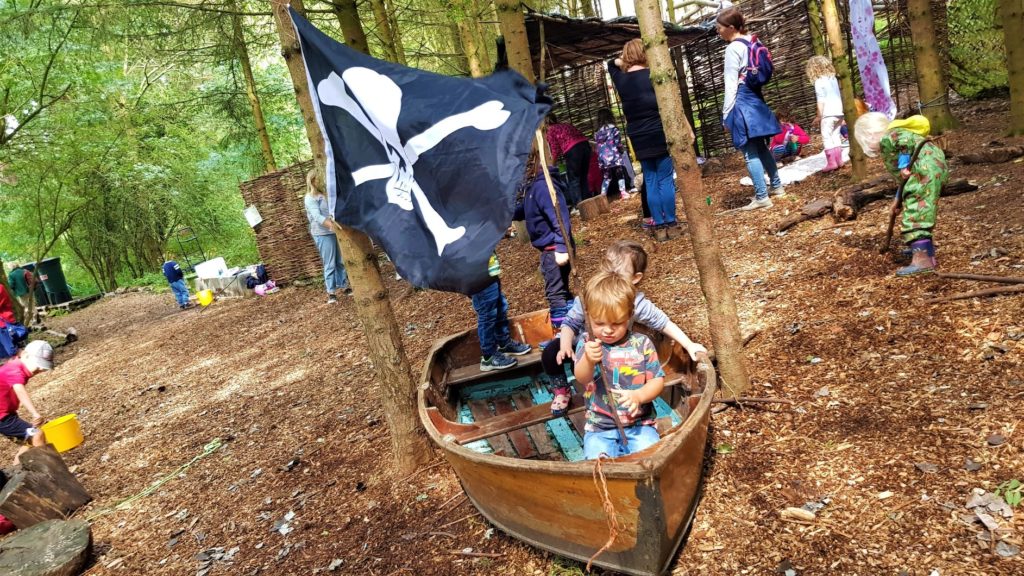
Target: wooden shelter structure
x,y
574,53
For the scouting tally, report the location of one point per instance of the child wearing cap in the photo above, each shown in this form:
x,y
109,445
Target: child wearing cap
x,y
14,374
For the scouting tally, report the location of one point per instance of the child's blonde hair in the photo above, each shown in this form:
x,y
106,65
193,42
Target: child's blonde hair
x,y
311,184
869,130
609,297
819,67
625,258
633,54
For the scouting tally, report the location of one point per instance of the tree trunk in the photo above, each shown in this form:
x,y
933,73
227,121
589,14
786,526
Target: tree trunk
x,y
19,312
671,7
387,37
587,8
396,32
1012,14
351,28
931,82
814,24
513,28
250,92
721,306
618,7
469,47
483,38
841,61
387,353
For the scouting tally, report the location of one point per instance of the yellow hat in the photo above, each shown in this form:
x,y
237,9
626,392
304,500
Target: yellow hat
x,y
205,297
917,124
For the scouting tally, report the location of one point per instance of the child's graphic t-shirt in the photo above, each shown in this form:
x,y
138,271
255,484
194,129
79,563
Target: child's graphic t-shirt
x,y
626,366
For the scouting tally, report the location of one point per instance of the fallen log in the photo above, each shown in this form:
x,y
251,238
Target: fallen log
x,y
847,202
992,155
50,548
982,277
40,488
1017,289
813,209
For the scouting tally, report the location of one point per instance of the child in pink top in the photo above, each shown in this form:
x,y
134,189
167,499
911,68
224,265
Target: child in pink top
x,y
789,142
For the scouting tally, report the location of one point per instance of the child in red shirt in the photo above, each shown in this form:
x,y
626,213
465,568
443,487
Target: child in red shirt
x,y
789,142
14,374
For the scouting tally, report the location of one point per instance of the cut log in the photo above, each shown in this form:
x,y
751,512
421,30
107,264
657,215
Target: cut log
x,y
40,488
50,548
992,155
848,201
591,208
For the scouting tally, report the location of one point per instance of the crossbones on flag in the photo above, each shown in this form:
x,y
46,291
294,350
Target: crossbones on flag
x,y
426,165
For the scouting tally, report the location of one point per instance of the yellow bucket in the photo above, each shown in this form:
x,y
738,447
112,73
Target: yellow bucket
x,y
64,432
205,297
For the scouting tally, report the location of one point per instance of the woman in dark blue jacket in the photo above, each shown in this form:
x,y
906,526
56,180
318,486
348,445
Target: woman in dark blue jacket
x,y
746,116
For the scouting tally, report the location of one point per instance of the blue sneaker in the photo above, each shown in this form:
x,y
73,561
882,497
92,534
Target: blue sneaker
x,y
497,362
514,348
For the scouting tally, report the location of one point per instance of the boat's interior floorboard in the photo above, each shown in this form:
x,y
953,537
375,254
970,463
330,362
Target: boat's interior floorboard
x,y
556,439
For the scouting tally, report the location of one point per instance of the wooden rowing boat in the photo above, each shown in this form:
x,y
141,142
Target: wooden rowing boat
x,y
524,472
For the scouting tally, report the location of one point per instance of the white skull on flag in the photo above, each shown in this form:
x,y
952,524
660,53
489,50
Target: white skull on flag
x,y
376,103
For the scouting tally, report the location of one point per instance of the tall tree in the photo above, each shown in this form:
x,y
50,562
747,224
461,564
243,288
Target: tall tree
x,y
714,282
396,31
931,80
351,29
513,29
238,39
1012,14
841,62
814,27
483,36
387,37
408,444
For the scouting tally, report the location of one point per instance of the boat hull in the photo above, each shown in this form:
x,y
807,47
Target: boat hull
x,y
557,505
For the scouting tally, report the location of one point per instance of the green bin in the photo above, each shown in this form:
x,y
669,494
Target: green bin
x,y
52,276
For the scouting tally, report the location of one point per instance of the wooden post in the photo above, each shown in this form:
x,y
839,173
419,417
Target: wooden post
x,y
843,73
714,282
398,395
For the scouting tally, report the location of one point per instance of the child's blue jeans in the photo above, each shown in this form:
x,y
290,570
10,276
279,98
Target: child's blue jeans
x,y
180,291
607,441
491,318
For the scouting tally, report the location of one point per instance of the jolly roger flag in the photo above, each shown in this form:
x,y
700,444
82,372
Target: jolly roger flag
x,y
425,165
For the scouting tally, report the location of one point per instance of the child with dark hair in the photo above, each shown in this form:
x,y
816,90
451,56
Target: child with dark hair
x,y
611,155
789,142
569,143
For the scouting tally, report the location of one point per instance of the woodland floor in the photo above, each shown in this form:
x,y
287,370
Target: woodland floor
x,y
286,377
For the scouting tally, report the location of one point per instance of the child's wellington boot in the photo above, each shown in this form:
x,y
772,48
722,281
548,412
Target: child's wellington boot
x,y
830,160
923,259
838,157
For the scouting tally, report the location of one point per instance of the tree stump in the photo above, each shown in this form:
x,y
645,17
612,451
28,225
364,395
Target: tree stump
x,y
521,234
50,548
40,488
591,208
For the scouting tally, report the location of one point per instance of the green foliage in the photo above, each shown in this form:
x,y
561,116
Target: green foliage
x,y
976,53
1010,491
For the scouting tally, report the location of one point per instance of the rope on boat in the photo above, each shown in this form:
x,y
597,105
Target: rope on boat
x,y
609,509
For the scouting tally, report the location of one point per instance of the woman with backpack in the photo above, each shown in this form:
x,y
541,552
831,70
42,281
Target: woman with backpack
x,y
745,115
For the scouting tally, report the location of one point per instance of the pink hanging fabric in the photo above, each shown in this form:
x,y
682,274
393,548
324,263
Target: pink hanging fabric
x,y
873,75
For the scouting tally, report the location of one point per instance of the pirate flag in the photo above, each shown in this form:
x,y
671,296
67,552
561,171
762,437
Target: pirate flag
x,y
425,165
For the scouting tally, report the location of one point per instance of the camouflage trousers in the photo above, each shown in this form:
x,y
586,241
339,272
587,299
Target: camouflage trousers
x,y
921,194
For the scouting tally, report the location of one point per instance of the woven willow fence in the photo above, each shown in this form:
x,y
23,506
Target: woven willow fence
x,y
283,239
